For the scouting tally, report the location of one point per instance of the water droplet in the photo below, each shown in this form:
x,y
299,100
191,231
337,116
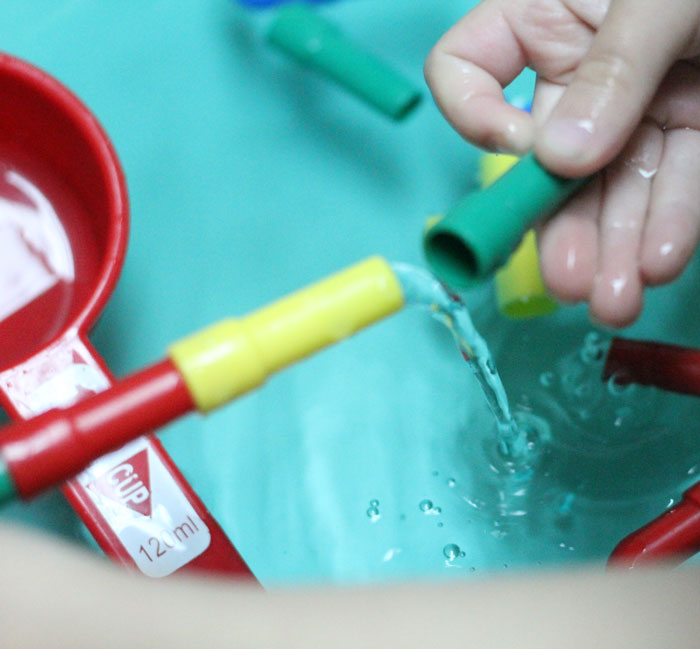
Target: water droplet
x,y
547,379
436,473
437,510
451,551
374,503
622,415
566,504
618,387
439,524
505,565
373,514
425,505
491,366
583,390
451,482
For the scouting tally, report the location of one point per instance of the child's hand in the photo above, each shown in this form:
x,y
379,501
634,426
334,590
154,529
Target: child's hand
x,y
618,89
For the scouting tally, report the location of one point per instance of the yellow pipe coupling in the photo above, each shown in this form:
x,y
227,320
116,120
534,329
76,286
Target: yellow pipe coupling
x,y
237,355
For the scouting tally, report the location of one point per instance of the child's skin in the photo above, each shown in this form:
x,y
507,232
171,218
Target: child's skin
x,y
54,597
618,90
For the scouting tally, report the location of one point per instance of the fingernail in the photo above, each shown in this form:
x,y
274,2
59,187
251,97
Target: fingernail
x,y
569,138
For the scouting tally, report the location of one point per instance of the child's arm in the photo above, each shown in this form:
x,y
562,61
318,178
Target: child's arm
x,y
55,597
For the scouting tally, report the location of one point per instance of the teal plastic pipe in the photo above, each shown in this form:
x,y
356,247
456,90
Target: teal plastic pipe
x,y
477,236
303,34
7,486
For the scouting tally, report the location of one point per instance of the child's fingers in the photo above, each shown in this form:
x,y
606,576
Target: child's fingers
x,y
546,97
634,48
673,226
568,245
616,298
467,71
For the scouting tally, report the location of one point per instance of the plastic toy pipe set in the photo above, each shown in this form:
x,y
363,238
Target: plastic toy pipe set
x,y
203,371
74,412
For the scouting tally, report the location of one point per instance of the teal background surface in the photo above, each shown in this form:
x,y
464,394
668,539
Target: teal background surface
x,y
250,177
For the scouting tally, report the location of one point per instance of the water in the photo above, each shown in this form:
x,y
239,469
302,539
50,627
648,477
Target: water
x,y
452,552
48,254
564,456
423,289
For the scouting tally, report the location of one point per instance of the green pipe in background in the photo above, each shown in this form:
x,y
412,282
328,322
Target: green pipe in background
x,y
303,34
7,486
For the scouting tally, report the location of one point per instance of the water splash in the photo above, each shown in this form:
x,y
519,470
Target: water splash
x,y
423,289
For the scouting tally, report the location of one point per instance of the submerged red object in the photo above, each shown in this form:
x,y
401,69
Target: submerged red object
x,y
63,234
669,367
674,536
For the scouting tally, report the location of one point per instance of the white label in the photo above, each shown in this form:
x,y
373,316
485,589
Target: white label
x,y
131,488
146,509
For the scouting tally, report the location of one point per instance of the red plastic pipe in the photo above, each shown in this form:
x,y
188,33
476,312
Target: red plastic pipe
x,y
49,449
672,538
669,367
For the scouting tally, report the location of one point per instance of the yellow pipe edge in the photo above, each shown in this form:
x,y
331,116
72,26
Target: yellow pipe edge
x,y
520,290
236,355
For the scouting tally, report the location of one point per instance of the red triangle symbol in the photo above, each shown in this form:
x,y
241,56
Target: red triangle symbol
x,y
129,484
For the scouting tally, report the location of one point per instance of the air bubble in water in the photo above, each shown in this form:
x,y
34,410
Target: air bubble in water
x,y
547,379
618,388
594,347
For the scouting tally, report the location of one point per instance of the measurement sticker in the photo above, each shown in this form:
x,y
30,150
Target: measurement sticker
x,y
146,509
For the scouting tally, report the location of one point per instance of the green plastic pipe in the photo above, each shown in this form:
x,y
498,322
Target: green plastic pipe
x,y
303,34
7,486
477,236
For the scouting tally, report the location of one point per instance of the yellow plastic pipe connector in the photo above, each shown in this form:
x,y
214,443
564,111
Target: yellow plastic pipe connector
x,y
520,290
237,355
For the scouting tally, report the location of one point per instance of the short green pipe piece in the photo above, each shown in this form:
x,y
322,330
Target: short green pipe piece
x,y
303,34
477,236
8,490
